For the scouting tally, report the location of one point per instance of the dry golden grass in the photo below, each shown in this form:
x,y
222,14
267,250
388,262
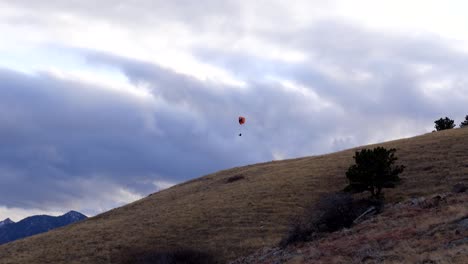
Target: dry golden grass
x,y
432,231
234,218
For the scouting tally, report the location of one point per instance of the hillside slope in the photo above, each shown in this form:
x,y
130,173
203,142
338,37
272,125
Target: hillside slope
x,y
231,218
431,229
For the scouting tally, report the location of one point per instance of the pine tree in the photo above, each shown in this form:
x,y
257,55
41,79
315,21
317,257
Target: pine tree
x,y
444,123
373,171
464,123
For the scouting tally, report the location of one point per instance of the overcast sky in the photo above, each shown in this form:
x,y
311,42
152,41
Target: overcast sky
x,y
104,102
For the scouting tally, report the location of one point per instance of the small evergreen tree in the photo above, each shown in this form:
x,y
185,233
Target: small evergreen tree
x,y
464,123
444,123
374,170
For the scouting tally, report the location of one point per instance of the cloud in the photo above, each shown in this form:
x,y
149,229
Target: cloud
x,y
17,214
358,69
54,131
161,184
64,141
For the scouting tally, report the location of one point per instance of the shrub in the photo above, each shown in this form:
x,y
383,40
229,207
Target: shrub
x,y
178,256
444,123
334,212
464,123
299,231
235,178
330,213
373,171
459,188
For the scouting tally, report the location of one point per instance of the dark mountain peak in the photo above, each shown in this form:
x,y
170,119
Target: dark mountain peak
x,y
77,216
35,225
6,222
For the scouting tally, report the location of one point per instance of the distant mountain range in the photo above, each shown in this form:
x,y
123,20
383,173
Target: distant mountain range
x,y
10,231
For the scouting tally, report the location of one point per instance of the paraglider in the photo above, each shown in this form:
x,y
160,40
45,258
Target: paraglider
x,y
241,122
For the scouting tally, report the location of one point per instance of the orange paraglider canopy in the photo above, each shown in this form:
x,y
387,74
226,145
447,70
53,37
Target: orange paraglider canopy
x,y
241,120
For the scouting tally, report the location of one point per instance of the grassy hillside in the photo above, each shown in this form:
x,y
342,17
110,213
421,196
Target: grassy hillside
x,y
432,229
234,212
